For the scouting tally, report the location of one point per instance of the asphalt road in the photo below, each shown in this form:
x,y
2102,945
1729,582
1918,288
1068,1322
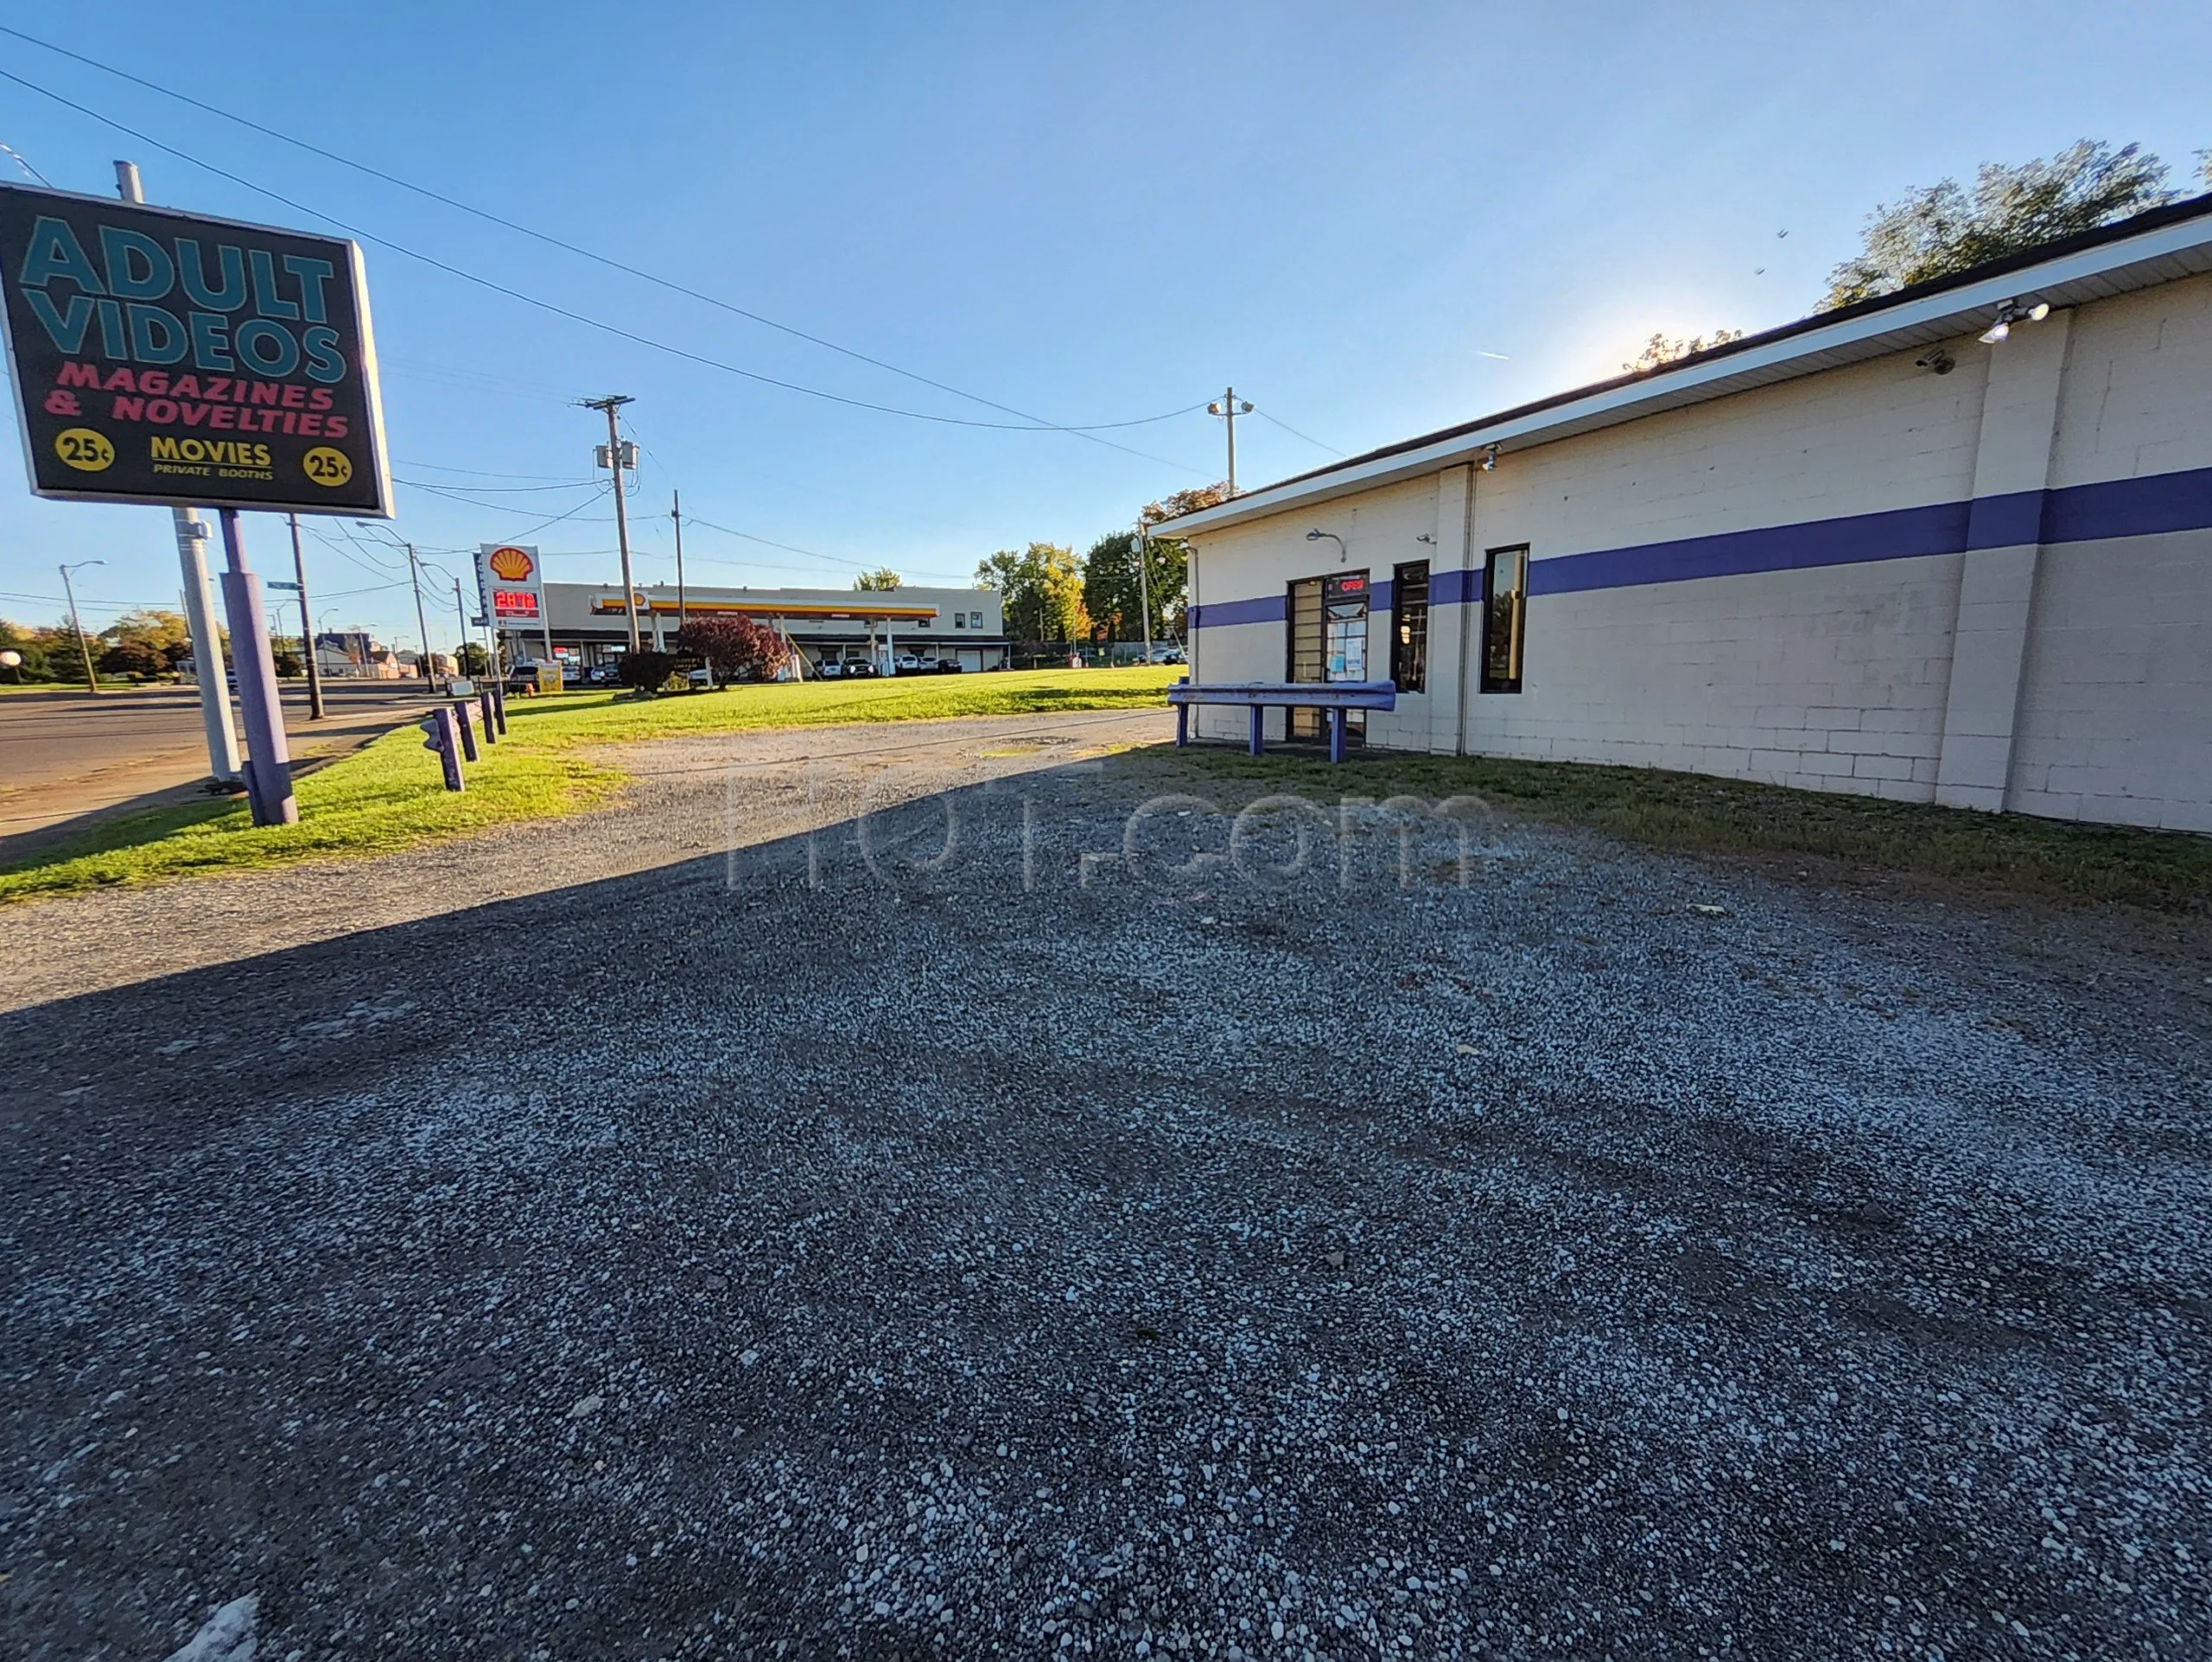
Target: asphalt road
x,y
878,1193
66,755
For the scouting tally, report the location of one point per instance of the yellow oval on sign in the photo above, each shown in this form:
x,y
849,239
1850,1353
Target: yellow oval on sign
x,y
327,467
87,451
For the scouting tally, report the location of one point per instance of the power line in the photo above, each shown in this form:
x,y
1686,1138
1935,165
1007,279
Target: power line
x,y
480,472
1029,424
497,490
608,261
1295,433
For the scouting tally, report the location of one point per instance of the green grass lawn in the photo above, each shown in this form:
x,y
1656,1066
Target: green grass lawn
x,y
610,718
384,797
1694,813
388,795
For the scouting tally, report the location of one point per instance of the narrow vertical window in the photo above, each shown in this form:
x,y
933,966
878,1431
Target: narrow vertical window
x,y
1505,615
1410,627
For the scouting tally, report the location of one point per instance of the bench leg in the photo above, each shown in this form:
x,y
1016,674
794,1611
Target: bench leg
x,y
1259,727
1336,723
1182,724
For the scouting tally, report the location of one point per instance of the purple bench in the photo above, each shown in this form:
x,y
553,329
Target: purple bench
x,y
1331,698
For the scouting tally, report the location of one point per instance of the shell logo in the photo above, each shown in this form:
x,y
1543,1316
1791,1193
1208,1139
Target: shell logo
x,y
511,564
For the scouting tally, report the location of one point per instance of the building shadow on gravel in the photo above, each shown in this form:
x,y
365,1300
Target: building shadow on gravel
x,y
926,1235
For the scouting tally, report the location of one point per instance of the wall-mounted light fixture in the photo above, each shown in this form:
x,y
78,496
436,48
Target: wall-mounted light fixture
x,y
1489,463
1343,553
2011,312
1937,360
1426,538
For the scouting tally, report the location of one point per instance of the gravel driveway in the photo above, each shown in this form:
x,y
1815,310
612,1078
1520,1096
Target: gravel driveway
x,y
871,1245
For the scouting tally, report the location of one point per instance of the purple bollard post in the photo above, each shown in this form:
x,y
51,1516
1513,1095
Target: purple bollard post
x,y
1259,727
467,728
499,704
445,739
490,718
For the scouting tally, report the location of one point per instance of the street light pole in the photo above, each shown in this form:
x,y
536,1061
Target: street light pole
x,y
77,624
1230,407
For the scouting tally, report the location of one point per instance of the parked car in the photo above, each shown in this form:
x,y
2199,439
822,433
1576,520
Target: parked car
x,y
1168,655
907,664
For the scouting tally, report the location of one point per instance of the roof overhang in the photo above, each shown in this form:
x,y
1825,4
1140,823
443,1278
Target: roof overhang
x,y
611,605
2179,247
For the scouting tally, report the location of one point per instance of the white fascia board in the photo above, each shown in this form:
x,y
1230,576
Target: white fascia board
x,y
1934,318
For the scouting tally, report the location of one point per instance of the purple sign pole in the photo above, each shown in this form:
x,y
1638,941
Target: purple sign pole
x,y
268,766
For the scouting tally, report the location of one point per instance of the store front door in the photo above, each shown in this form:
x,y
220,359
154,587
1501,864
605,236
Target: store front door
x,y
1328,642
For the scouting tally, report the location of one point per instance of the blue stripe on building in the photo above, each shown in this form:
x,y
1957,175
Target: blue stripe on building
x,y
2158,503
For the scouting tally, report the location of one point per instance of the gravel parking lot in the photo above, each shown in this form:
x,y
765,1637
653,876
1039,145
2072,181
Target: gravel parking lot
x,y
884,1243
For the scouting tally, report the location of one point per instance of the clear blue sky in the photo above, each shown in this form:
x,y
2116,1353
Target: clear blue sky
x,y
1092,214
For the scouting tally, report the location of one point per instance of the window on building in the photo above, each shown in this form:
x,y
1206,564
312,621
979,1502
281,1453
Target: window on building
x,y
975,620
1505,615
1410,627
960,620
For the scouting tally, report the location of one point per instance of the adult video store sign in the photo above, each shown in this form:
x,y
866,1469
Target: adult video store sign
x,y
167,357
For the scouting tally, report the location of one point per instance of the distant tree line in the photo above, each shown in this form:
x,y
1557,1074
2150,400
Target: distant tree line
x,y
1053,597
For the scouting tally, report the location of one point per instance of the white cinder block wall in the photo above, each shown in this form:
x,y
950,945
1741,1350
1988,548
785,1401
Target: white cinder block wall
x,y
1945,649
2115,718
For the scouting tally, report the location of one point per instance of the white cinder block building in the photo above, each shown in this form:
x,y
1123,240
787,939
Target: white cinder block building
x,y
1870,552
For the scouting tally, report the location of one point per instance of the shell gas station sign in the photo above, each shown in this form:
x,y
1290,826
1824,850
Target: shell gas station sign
x,y
510,580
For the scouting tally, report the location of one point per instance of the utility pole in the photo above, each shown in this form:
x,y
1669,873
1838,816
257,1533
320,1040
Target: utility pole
x,y
612,403
675,512
306,623
223,770
1144,588
1230,407
422,620
76,624
461,615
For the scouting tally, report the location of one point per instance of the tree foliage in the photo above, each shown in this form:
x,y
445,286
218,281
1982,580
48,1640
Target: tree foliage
x,y
132,658
1938,229
1660,351
880,581
166,634
41,651
1041,591
736,648
1186,501
1113,596
645,670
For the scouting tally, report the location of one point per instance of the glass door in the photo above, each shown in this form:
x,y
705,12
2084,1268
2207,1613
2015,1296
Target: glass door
x,y
1343,640
1308,652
